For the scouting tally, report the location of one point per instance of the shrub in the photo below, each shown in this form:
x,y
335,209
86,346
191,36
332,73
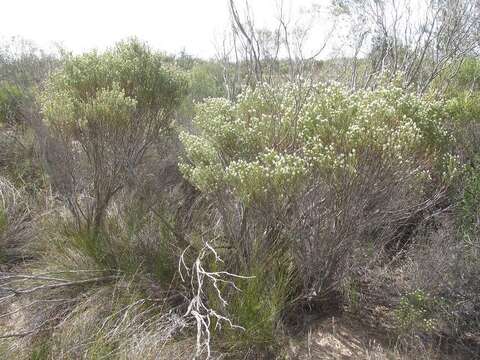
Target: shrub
x,y
205,81
258,307
416,312
470,204
314,168
464,114
288,133
20,159
23,70
122,291
104,111
10,100
132,242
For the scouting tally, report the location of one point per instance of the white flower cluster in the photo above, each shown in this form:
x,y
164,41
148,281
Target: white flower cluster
x,y
274,138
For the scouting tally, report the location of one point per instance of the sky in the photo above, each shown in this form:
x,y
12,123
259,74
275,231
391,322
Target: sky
x,y
195,26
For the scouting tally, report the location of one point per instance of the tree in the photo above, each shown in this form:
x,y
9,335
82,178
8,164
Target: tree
x,y
253,55
420,39
103,111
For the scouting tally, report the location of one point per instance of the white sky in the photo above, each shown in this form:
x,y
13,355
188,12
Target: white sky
x,y
169,25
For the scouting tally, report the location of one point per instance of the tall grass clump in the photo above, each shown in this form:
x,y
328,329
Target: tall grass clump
x,y
16,224
119,297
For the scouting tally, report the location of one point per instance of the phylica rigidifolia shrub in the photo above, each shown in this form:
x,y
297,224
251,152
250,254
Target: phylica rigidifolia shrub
x,y
274,139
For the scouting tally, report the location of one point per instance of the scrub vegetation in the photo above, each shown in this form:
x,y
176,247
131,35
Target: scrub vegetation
x,y
158,206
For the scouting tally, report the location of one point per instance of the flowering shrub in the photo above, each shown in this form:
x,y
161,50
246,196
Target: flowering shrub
x,y
274,139
416,311
315,173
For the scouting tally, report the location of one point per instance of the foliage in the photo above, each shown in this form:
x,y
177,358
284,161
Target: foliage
x,y
464,107
41,351
16,225
312,175
259,307
130,66
105,110
132,242
3,220
352,294
272,140
417,311
464,110
23,69
20,159
10,100
205,81
466,79
471,200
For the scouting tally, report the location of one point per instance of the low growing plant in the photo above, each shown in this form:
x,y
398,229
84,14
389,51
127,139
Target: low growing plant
x,y
417,311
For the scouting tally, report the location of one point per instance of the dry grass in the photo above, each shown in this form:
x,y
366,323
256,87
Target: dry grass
x,y
16,224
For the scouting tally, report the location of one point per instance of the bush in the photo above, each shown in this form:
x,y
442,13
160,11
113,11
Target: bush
x,y
280,136
103,112
294,198
205,81
10,100
258,307
20,159
417,312
122,291
464,114
23,70
312,156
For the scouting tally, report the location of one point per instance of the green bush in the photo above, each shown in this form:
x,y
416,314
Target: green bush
x,y
3,220
132,242
10,101
20,159
16,225
464,110
3,228
417,311
465,79
105,110
469,214
205,81
464,107
130,67
464,114
310,174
